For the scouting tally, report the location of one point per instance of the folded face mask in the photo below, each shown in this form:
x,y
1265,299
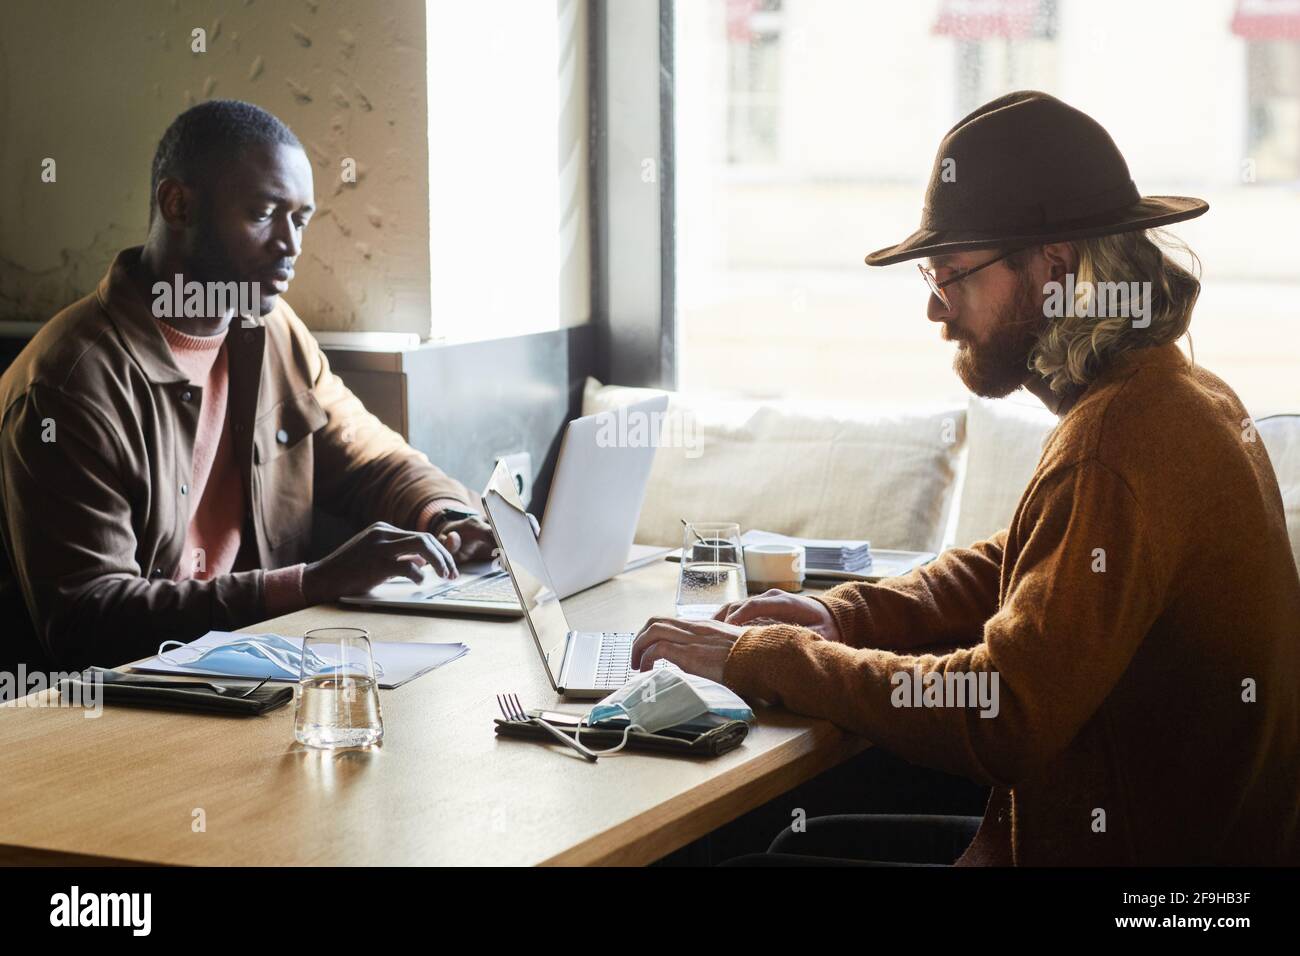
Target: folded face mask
x,y
667,696
266,655
721,699
651,701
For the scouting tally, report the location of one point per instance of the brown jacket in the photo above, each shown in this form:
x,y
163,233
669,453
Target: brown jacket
x,y
96,453
1142,616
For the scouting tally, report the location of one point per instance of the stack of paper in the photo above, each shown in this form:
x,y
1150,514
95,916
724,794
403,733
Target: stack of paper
x,y
821,554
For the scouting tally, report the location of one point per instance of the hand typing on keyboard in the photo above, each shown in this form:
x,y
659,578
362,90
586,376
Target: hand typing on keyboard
x,y
372,557
697,647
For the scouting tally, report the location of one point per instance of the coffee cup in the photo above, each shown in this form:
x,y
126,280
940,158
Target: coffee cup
x,y
774,566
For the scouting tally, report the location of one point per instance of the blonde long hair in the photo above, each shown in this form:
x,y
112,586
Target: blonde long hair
x,y
1073,350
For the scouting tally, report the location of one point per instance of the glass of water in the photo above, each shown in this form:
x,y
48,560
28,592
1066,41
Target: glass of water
x,y
338,695
713,569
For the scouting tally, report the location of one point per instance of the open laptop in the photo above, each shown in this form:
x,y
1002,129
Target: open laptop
x,y
587,529
579,665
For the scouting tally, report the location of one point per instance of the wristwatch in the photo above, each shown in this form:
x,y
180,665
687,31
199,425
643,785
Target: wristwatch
x,y
450,514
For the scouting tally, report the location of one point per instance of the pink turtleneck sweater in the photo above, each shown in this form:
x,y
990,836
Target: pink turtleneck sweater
x,y
216,489
217,493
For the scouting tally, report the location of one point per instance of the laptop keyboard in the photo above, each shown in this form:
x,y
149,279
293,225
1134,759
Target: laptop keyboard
x,y
615,665
496,588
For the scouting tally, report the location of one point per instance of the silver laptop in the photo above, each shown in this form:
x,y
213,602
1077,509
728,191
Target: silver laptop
x,y
579,665
587,529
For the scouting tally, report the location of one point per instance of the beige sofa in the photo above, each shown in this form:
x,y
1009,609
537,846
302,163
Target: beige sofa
x,y
918,478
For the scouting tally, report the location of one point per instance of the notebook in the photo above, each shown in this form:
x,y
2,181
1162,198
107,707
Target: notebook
x,y
824,554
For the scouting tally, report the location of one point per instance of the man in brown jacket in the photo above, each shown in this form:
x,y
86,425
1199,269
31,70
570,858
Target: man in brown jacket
x,y
161,455
1122,663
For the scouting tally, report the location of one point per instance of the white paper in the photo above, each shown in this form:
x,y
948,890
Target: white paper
x,y
401,661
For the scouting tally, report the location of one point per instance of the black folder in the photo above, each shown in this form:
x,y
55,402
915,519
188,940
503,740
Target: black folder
x,y
220,695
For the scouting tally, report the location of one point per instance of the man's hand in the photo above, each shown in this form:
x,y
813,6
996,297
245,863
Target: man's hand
x,y
697,647
468,539
372,557
781,607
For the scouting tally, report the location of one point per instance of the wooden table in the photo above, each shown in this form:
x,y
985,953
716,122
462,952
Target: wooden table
x,y
442,789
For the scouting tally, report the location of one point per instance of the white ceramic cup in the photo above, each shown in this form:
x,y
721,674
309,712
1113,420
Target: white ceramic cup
x,y
774,566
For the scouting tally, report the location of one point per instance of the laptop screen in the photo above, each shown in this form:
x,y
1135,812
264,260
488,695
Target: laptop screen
x,y
522,557
600,483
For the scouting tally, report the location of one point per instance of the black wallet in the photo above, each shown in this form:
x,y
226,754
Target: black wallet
x,y
220,695
707,736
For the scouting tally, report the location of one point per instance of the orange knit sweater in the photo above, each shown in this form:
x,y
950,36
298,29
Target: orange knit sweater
x,y
1141,615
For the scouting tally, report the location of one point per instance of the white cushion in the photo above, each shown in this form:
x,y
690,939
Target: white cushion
x,y
798,468
1004,440
1281,436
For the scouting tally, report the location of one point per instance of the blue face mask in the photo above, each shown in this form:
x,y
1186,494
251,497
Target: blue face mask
x,y
721,700
651,702
266,655
666,697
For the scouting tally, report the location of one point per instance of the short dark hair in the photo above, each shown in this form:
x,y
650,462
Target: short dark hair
x,y
210,133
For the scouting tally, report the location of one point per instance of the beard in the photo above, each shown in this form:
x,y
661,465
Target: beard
x,y
998,366
207,258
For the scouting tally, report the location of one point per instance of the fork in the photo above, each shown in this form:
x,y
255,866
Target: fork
x,y
222,689
513,710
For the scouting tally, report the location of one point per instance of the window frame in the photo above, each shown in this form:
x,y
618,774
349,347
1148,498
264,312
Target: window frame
x,y
634,228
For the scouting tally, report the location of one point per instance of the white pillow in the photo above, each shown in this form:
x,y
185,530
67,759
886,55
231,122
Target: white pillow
x,y
1004,442
1281,436
806,469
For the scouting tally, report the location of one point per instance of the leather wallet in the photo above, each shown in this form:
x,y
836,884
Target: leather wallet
x,y
220,695
707,738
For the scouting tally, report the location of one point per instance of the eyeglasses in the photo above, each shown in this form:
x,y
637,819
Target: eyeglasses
x,y
937,287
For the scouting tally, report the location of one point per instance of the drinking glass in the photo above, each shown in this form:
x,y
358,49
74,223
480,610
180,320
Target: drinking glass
x,y
713,569
338,695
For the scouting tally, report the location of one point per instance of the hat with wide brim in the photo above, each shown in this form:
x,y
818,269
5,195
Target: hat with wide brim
x,y
1028,169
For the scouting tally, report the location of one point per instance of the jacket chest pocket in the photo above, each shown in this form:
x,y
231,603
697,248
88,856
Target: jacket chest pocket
x,y
283,462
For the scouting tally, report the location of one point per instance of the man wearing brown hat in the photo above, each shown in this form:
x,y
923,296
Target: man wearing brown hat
x,y
1121,664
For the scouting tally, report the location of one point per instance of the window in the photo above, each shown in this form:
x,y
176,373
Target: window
x,y
1271,31
1274,118
806,129
508,186
753,81
999,45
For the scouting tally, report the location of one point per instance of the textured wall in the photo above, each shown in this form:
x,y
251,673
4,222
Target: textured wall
x,y
94,84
